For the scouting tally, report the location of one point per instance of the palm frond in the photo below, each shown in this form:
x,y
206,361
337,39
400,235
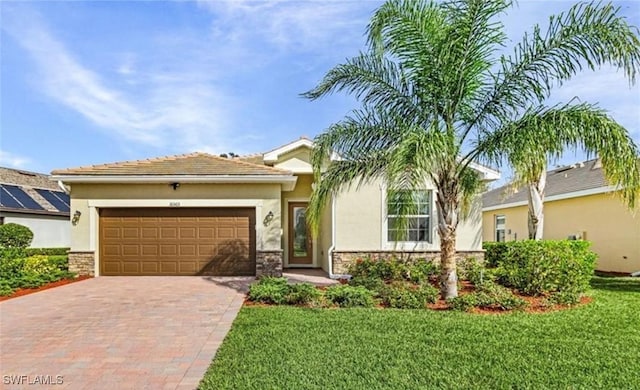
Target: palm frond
x,y
544,133
587,35
375,81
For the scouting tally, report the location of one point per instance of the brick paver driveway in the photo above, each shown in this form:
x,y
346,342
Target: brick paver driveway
x,y
152,332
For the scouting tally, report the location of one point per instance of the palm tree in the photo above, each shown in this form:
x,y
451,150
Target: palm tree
x,y
436,97
583,126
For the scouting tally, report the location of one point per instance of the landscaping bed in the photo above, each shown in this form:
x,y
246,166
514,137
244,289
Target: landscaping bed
x,y
26,291
533,276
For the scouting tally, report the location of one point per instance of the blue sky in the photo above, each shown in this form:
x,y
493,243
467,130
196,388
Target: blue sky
x,y
101,81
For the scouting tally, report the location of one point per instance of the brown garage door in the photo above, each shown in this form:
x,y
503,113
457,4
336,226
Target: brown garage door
x,y
177,241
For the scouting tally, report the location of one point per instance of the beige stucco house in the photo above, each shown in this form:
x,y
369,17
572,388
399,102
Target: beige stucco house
x,y
579,204
203,214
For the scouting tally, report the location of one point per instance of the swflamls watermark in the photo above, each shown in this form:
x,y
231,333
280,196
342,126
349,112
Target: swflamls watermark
x,y
32,380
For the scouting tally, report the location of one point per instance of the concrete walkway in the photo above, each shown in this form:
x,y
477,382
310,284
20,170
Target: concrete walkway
x,y
118,332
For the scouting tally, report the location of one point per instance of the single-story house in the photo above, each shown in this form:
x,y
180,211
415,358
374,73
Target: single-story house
x,y
210,215
579,204
32,200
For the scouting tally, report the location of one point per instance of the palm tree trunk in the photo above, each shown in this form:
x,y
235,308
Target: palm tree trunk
x,y
447,204
536,206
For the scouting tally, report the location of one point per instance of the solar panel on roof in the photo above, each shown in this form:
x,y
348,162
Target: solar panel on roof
x,y
22,197
6,200
64,197
51,197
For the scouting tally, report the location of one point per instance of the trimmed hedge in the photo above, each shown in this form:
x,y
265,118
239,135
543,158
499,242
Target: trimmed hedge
x,y
543,267
47,251
13,235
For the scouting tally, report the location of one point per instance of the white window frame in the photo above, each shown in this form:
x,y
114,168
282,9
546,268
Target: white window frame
x,y
497,227
430,244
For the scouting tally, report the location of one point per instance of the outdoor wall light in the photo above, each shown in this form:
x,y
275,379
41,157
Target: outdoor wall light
x,y
267,220
76,217
175,185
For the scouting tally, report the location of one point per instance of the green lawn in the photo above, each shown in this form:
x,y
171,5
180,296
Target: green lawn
x,y
593,346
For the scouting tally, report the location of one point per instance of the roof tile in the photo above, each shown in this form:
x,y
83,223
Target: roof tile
x,y
185,164
564,180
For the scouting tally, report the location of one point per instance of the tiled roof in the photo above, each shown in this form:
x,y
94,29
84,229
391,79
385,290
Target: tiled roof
x,y
186,164
31,179
578,177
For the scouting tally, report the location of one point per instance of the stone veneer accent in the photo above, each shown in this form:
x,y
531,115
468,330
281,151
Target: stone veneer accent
x,y
82,263
342,259
269,263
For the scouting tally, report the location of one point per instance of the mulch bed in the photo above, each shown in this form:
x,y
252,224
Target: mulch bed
x,y
534,304
26,291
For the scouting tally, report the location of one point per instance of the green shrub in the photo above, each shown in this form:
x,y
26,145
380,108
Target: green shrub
x,y
542,267
475,272
269,290
13,235
422,270
11,271
61,262
488,296
39,264
494,253
303,294
401,295
368,282
12,253
46,251
349,296
394,269
464,302
5,288
564,298
389,270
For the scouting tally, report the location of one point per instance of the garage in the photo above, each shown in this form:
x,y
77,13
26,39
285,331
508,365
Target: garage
x,y
177,241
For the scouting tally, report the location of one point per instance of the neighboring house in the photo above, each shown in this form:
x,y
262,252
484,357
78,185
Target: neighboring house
x,y
203,214
579,204
32,200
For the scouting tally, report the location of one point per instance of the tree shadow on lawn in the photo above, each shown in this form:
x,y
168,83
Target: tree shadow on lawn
x,y
608,283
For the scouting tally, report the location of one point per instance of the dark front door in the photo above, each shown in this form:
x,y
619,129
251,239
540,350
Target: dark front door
x,y
300,246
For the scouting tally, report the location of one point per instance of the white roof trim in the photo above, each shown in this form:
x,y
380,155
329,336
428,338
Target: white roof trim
x,y
273,155
488,173
288,181
568,195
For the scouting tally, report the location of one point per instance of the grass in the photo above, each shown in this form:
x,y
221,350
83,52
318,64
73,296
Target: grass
x,y
592,346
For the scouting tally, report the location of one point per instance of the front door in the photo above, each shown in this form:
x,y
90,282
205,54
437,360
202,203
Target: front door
x,y
300,252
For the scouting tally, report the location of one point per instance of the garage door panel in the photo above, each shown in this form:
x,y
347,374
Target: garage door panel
x,y
131,267
168,232
168,250
130,233
188,233
149,250
130,250
177,241
150,233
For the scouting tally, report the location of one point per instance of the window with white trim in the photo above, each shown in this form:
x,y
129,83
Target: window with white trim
x,y
417,225
501,223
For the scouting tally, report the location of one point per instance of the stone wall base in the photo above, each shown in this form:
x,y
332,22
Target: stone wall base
x,y
269,263
82,263
342,259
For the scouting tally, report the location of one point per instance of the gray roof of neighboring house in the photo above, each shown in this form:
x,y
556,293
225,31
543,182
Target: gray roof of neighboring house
x,y
572,178
31,193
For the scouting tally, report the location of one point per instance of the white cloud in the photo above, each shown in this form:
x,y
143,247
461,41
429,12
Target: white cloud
x,y
173,111
8,159
303,25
